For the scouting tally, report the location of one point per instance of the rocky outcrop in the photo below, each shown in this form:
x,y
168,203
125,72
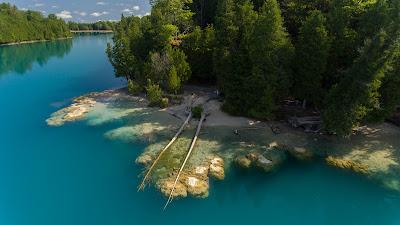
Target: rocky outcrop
x,y
165,186
347,164
217,168
201,170
267,161
252,156
189,184
243,162
197,187
75,111
84,104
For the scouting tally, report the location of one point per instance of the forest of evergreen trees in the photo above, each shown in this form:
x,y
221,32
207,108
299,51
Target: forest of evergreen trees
x,y
100,25
18,26
340,57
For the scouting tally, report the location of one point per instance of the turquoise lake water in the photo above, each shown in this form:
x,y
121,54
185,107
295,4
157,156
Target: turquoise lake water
x,y
72,175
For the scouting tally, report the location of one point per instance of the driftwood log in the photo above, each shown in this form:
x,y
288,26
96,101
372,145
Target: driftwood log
x,y
308,123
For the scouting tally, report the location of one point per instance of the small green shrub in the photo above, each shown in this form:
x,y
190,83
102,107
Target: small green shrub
x,y
196,111
134,88
154,94
174,83
164,102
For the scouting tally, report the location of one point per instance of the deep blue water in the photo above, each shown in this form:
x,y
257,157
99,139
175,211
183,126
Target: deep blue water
x,y
72,175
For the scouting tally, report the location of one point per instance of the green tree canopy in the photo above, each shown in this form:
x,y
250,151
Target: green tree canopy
x,y
18,26
312,51
340,55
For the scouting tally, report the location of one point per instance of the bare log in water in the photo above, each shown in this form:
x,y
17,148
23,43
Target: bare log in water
x,y
203,116
146,177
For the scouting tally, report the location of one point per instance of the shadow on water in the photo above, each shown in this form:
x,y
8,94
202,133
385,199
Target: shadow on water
x,y
21,58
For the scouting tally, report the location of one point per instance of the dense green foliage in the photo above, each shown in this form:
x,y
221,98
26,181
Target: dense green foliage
x,y
173,81
18,26
154,94
362,94
100,25
134,88
312,52
199,47
253,65
339,56
204,11
143,47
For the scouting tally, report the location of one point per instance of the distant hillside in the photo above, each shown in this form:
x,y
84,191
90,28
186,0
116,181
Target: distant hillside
x,y
18,26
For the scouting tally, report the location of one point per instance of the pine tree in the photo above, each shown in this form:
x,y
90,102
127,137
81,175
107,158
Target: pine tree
x,y
226,33
345,38
389,91
366,92
351,100
204,12
175,12
312,51
199,47
121,57
270,53
174,83
235,85
179,61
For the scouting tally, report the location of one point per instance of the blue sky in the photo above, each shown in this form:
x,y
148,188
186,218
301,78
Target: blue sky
x,y
86,10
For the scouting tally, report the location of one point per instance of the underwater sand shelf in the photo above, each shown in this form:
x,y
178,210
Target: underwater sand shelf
x,y
227,142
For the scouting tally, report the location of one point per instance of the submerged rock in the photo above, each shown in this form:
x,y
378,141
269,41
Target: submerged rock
x,y
347,164
267,161
270,160
217,168
276,155
243,162
264,163
252,156
75,111
301,153
98,107
144,160
144,132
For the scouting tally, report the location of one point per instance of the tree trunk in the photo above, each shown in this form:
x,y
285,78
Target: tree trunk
x,y
201,13
304,104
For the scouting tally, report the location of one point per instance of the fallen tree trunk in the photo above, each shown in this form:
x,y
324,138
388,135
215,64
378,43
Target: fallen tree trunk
x,y
146,177
203,116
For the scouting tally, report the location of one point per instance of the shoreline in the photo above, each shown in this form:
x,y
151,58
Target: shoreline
x,y
227,140
33,41
92,31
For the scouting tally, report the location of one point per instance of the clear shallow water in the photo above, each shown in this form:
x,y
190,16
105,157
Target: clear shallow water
x,y
73,175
